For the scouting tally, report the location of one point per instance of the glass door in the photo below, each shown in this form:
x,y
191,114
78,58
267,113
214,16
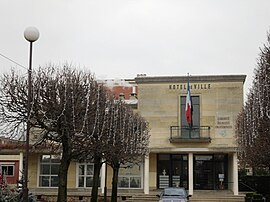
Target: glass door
x,y
203,172
210,171
176,172
164,170
172,170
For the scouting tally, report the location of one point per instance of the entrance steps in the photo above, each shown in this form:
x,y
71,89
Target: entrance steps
x,y
198,196
216,196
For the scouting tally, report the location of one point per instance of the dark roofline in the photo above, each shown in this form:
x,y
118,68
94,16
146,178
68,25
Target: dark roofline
x,y
197,78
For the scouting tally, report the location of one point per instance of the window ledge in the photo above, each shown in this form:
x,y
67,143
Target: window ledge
x,y
190,140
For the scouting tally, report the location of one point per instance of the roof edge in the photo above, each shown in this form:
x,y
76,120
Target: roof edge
x,y
197,78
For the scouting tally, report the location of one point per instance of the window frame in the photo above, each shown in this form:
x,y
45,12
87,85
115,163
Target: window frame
x,y
196,105
85,175
50,176
130,176
7,165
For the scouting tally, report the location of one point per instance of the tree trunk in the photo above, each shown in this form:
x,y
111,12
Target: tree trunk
x,y
116,167
97,167
63,172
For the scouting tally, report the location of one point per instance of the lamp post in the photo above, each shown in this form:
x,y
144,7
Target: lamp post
x,y
31,34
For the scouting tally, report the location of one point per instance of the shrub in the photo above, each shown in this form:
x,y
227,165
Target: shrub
x,y
257,196
254,197
250,195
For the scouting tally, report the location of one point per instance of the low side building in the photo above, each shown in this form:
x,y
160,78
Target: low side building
x,y
11,162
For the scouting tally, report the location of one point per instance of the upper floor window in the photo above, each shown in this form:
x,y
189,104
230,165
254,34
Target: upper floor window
x,y
192,131
49,168
195,111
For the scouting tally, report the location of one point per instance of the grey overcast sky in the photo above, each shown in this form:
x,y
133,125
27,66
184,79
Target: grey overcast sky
x,y
117,39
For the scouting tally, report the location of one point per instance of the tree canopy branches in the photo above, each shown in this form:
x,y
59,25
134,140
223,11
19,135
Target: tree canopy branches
x,y
70,109
253,123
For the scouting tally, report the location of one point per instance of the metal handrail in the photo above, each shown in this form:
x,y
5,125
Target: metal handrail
x,y
186,132
252,189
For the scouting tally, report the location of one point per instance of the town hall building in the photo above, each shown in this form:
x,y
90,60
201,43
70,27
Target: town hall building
x,y
199,153
201,156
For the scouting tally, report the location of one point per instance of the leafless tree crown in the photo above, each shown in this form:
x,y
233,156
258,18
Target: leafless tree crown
x,y
253,123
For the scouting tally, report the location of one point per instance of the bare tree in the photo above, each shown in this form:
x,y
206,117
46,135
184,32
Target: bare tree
x,y
77,115
253,123
13,104
96,134
63,105
128,140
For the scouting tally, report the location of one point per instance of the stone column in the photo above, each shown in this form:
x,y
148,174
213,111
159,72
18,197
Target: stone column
x,y
21,165
190,173
102,183
146,175
235,174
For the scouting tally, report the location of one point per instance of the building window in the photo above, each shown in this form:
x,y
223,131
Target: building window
x,y
85,174
130,176
7,170
187,131
195,111
49,168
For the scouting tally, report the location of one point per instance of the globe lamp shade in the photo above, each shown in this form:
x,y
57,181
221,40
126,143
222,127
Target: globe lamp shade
x,y
31,34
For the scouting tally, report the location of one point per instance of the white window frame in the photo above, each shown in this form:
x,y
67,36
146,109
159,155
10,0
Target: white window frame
x,y
7,165
131,176
46,175
85,175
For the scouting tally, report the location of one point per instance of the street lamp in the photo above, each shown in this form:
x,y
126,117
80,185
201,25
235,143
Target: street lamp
x,y
31,34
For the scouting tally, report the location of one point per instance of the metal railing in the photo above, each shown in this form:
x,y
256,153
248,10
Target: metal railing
x,y
190,133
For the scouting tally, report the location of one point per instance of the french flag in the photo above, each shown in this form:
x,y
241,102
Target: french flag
x,y
188,106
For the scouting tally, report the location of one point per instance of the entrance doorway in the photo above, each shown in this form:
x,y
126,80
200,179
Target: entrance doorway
x,y
172,170
210,172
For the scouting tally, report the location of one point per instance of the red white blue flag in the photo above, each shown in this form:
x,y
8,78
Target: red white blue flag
x,y
188,106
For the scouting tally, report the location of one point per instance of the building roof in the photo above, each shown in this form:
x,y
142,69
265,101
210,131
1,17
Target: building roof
x,y
196,78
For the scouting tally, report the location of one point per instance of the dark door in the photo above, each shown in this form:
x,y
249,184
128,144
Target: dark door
x,y
164,170
210,171
172,170
203,172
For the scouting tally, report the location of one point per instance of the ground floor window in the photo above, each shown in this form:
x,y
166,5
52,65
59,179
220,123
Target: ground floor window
x,y
130,176
85,174
7,170
48,172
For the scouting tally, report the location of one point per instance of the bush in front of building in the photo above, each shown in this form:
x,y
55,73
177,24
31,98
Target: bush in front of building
x,y
258,198
255,184
254,197
249,196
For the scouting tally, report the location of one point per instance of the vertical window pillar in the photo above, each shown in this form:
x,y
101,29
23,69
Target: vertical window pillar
x,y
146,175
190,173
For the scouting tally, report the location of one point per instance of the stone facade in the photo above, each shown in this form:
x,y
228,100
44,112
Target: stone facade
x,y
220,100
